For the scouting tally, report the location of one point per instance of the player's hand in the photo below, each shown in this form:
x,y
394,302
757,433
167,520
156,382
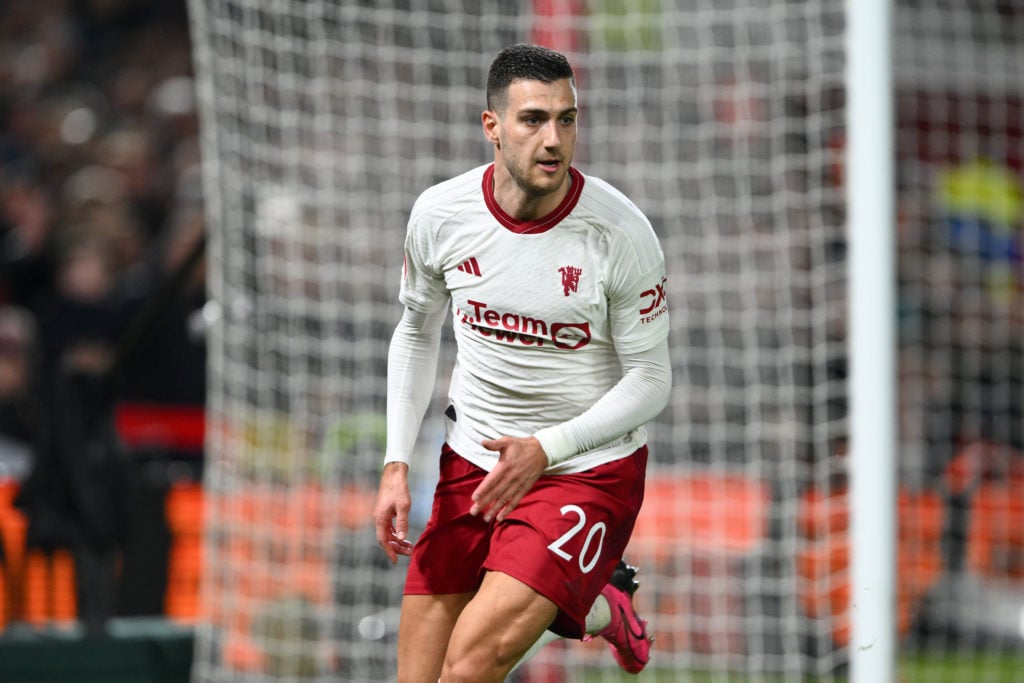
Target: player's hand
x,y
391,511
521,461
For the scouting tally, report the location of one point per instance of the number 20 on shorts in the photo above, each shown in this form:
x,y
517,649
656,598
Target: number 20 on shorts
x,y
595,537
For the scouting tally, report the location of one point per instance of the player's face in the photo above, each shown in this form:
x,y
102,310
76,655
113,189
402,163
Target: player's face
x,y
535,135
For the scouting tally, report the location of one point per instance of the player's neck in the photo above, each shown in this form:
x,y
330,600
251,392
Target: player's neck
x,y
520,204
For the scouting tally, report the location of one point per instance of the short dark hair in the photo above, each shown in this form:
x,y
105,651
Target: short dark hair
x,y
524,62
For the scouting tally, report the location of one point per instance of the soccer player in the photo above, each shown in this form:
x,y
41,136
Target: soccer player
x,y
556,284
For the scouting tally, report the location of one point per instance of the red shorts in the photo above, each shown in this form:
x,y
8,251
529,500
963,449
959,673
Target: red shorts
x,y
563,539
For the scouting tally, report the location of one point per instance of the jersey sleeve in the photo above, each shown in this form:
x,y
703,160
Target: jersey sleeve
x,y
637,299
412,366
423,287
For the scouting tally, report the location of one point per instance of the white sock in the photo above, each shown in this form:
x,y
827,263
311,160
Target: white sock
x,y
545,638
599,616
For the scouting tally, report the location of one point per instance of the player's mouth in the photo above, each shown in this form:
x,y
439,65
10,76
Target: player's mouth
x,y
549,165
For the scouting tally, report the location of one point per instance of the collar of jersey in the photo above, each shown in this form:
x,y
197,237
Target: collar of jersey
x,y
542,224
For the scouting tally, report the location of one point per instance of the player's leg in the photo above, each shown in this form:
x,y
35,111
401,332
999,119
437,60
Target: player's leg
x,y
495,629
598,618
545,639
444,571
622,628
423,631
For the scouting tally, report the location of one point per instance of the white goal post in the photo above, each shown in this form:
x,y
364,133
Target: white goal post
x,y
729,123
871,222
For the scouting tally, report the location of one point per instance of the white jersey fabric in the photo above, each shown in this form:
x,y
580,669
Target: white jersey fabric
x,y
541,310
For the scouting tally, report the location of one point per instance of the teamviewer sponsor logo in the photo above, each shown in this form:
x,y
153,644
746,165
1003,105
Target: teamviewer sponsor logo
x,y
514,328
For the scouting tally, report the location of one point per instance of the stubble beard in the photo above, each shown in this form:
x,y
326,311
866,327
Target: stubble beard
x,y
522,179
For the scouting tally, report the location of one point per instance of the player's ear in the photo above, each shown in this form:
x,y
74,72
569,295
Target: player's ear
x,y
491,124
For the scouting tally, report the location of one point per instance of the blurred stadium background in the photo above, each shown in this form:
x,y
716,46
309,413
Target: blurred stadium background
x,y
192,355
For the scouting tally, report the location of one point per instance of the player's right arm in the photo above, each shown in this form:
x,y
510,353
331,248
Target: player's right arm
x,y
412,367
391,511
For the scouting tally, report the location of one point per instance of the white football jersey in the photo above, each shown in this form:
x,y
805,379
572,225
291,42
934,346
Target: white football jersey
x,y
540,309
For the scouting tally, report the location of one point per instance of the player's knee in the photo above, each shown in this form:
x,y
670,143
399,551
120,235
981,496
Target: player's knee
x,y
478,666
466,673
407,676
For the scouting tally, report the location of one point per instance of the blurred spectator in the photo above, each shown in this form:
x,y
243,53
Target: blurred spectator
x,y
98,159
76,495
19,404
98,170
79,321
169,364
26,219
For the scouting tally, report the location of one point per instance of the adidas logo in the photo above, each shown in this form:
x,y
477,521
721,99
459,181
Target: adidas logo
x,y
470,266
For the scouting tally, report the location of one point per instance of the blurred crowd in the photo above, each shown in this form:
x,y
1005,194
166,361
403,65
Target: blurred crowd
x,y
100,201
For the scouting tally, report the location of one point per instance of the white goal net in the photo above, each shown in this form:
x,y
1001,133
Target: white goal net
x,y
724,121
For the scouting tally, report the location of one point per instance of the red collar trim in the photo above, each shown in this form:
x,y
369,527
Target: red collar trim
x,y
543,224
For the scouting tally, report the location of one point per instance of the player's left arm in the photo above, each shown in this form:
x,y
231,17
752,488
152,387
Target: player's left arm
x,y
639,317
636,399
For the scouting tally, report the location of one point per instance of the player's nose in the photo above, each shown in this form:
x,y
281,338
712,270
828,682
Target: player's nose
x,y
551,134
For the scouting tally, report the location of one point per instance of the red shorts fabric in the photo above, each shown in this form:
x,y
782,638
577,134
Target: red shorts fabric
x,y
563,539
